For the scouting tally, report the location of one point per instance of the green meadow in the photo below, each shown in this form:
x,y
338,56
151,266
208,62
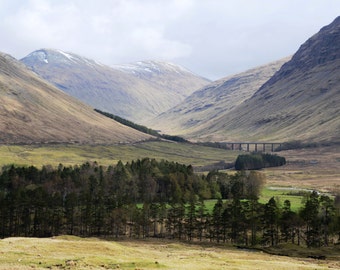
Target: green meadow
x,y
296,199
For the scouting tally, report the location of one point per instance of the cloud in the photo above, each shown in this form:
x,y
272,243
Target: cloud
x,y
212,38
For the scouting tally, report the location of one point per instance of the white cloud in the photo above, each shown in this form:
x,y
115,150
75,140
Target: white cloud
x,y
213,38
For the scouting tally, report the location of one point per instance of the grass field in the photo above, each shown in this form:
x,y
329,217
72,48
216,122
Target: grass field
x,y
110,154
68,252
280,196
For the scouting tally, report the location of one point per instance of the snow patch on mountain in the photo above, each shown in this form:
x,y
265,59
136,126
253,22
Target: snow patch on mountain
x,y
150,67
39,55
70,57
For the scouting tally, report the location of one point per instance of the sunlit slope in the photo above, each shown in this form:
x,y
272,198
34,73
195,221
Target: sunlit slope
x,y
33,111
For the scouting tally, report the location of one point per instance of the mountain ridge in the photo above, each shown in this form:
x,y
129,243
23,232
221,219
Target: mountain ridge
x,y
136,91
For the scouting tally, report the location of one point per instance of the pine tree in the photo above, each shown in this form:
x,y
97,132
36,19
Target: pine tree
x,y
310,214
271,218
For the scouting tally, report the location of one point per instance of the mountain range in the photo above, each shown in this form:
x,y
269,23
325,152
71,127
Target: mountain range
x,y
215,100
295,98
137,91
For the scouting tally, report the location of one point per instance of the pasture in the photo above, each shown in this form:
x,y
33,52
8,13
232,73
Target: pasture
x,y
66,252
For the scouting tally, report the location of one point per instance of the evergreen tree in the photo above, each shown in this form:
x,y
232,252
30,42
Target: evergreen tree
x,y
270,219
217,221
310,214
290,223
327,212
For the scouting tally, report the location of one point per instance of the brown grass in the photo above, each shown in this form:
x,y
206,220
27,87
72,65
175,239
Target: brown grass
x,y
313,168
76,253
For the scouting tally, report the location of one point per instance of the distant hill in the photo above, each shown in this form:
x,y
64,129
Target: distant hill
x,y
214,101
300,102
34,111
137,91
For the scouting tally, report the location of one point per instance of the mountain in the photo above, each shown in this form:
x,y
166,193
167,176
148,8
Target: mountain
x,y
300,102
217,99
34,111
137,91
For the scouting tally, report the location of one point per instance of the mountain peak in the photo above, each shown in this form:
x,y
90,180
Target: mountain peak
x,y
320,49
47,56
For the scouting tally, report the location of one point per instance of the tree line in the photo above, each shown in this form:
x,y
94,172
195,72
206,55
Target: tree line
x,y
149,198
256,161
142,128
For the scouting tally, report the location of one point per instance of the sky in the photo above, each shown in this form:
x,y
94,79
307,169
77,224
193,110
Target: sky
x,y
211,38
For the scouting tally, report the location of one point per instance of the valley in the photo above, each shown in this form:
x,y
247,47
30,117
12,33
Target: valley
x,y
311,168
103,195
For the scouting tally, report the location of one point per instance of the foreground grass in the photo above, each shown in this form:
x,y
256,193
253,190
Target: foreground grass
x,y
111,154
76,253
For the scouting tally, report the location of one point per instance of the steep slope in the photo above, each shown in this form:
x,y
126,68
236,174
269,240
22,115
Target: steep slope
x,y
136,91
214,101
300,102
34,111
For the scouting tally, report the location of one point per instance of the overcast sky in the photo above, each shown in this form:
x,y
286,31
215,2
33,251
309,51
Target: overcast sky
x,y
212,38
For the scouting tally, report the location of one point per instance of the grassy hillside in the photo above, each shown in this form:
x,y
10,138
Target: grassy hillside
x,y
33,111
67,252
